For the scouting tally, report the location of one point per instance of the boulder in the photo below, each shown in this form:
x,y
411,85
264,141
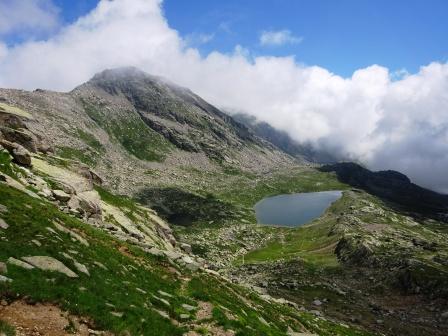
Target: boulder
x,y
19,153
46,263
61,195
67,188
89,205
19,263
20,136
3,268
3,224
5,279
74,235
186,247
82,268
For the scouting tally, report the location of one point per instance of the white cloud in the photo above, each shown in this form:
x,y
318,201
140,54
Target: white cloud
x,y
196,39
278,38
385,121
27,15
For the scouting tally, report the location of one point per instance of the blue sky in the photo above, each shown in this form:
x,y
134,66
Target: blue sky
x,y
340,35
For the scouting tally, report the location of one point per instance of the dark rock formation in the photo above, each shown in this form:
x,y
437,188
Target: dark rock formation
x,y
393,186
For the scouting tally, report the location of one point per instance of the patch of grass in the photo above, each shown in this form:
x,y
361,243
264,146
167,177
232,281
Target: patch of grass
x,y
247,319
127,205
6,329
231,170
90,140
85,156
14,110
131,132
6,165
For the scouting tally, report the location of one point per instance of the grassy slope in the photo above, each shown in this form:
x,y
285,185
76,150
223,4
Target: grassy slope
x,y
128,270
132,133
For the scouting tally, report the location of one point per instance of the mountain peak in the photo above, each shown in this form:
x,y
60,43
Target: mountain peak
x,y
121,73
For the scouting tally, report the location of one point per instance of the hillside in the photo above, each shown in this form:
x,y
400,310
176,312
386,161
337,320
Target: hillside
x,y
126,208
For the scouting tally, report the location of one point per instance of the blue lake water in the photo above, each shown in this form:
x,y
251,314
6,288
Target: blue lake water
x,y
294,209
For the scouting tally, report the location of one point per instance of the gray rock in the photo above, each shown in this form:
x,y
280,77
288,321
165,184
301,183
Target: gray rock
x,y
141,290
36,242
20,154
173,255
82,268
161,300
97,263
3,268
317,302
50,264
3,224
3,208
61,195
186,247
74,235
19,263
89,207
184,316
192,266
154,251
5,279
262,320
21,136
164,293
187,307
162,313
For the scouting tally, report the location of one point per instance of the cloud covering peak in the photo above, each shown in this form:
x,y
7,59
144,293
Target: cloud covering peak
x,y
373,117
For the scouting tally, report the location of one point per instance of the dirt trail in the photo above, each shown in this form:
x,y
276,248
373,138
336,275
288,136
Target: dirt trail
x,y
41,320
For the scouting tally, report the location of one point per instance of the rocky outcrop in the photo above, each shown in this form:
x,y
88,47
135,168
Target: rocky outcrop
x,y
20,154
355,251
21,136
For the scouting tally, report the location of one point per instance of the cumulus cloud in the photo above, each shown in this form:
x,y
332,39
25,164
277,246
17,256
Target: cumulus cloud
x,y
197,39
27,15
385,121
278,38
